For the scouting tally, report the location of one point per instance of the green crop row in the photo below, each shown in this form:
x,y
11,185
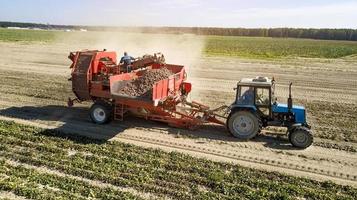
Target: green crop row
x,y
69,186
270,48
160,188
105,170
164,174
129,166
11,35
32,190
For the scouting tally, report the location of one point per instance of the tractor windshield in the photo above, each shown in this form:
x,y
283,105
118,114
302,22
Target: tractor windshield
x,y
245,95
262,96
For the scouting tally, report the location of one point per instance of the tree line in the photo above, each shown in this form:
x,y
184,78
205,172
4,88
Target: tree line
x,y
311,33
323,34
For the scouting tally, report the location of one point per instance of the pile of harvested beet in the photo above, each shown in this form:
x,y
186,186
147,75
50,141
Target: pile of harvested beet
x,y
142,86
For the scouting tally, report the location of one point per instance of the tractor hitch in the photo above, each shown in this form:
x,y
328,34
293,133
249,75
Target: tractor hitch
x,y
70,102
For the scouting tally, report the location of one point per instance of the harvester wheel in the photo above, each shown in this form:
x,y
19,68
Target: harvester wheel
x,y
244,124
301,137
100,113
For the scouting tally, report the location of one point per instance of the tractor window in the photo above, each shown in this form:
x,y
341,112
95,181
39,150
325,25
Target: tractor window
x,y
262,96
245,95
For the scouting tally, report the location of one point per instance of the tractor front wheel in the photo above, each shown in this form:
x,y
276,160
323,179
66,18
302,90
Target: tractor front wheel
x,y
244,124
301,137
100,113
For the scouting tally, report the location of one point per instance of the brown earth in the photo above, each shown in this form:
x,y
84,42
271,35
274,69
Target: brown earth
x,y
35,88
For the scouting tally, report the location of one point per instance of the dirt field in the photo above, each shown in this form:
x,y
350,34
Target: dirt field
x,y
35,88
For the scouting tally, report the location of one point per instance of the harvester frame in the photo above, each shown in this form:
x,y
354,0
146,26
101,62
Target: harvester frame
x,y
97,78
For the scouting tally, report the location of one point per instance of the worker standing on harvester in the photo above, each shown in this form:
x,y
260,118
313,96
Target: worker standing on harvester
x,y
126,61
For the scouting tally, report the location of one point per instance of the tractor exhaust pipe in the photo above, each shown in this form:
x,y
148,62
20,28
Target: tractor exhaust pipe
x,y
290,100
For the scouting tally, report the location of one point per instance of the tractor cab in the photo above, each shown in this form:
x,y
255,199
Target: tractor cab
x,y
256,107
256,94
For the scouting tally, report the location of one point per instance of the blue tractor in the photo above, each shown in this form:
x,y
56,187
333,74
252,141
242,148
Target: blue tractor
x,y
256,107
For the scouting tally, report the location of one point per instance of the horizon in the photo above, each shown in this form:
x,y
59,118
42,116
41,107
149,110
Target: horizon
x,y
128,26
185,13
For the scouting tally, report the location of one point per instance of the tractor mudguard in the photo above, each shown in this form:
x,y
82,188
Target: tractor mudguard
x,y
293,126
236,107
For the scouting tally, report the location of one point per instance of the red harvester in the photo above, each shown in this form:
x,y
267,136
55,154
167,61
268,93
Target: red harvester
x,y
96,77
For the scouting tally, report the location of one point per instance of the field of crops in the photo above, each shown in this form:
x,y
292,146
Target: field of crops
x,y
244,47
42,164
10,35
250,47
45,164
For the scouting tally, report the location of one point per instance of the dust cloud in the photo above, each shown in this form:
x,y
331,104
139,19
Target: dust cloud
x,y
181,49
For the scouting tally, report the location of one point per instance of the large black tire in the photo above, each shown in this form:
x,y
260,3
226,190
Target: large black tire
x,y
244,124
100,113
301,137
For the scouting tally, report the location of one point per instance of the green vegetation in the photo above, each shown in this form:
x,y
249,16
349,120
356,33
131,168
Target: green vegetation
x,y
245,47
250,47
173,175
12,35
27,182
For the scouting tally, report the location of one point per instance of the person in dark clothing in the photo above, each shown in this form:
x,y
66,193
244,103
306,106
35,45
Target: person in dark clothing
x,y
247,97
126,61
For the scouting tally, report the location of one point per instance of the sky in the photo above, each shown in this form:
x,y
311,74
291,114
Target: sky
x,y
187,13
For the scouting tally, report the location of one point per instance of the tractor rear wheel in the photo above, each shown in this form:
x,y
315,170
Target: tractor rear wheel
x,y
100,113
244,124
301,137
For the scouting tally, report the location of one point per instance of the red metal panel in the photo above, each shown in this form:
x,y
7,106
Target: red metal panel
x,y
102,54
165,88
171,84
160,90
178,81
154,93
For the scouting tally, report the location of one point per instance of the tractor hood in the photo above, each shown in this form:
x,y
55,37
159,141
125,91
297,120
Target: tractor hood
x,y
299,111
